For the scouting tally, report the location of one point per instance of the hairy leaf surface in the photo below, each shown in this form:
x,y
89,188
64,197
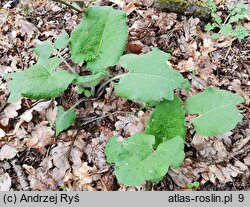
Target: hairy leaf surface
x,y
39,81
100,38
167,121
217,111
136,161
149,78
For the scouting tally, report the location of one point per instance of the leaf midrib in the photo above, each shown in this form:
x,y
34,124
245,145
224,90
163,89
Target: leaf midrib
x,y
151,75
215,109
99,47
65,114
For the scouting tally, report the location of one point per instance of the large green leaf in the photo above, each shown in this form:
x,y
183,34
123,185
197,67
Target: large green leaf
x,y
64,119
100,38
39,81
136,161
167,121
149,78
217,111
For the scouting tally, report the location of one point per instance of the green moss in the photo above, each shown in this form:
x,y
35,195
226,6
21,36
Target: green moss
x,y
189,7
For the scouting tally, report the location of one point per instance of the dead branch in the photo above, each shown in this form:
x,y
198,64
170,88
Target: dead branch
x,y
68,5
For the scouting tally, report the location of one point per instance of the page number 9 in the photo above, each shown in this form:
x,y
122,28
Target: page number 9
x,y
241,197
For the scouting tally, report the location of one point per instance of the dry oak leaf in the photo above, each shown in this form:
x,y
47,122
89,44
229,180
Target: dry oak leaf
x,y
84,173
27,115
95,151
10,112
40,179
77,150
41,136
60,159
132,124
223,174
187,173
25,27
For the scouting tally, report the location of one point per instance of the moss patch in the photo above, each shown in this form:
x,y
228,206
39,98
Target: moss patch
x,y
190,7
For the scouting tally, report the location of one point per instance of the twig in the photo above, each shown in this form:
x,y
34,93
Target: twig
x,y
230,47
69,5
85,99
108,81
91,119
242,151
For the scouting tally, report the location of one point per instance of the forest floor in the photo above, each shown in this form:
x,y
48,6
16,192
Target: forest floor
x,y
33,158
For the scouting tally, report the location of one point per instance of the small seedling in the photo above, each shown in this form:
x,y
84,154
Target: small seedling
x,y
230,27
193,185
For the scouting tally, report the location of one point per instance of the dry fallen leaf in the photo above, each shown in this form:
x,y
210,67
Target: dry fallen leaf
x,y
223,174
5,182
25,27
41,136
10,112
2,133
60,156
247,160
185,174
27,115
84,173
95,151
7,152
189,27
147,3
211,149
39,179
132,124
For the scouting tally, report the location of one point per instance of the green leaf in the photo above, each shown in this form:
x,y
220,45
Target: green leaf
x,y
90,80
212,6
87,93
193,185
236,18
44,50
62,41
112,149
64,119
226,30
39,81
100,38
150,78
217,18
217,111
241,32
239,9
74,4
216,36
167,121
209,27
137,162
